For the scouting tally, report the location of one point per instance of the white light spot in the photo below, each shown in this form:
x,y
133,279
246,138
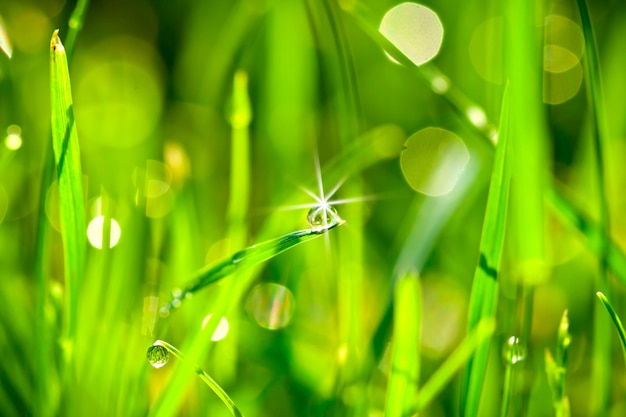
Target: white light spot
x,y
13,140
95,232
220,331
477,116
415,30
440,85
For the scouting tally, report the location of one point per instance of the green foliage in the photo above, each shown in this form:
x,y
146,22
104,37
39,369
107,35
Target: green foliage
x,y
187,183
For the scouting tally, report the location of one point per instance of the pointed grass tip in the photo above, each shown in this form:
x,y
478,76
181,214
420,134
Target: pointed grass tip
x,y
55,42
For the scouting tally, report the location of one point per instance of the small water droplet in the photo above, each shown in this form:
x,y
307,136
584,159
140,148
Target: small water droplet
x,y
513,351
322,217
176,302
158,356
164,311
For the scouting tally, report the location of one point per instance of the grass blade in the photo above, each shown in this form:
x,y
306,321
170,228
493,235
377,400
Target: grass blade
x,y
75,25
159,357
616,321
244,259
240,162
405,358
438,381
555,369
67,159
601,374
484,294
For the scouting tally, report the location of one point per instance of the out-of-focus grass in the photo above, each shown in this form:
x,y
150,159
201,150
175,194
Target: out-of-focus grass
x,y
309,330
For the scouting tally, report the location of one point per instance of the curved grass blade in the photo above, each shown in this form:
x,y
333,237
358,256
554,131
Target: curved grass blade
x,y
244,259
484,296
67,159
442,377
616,321
160,357
405,358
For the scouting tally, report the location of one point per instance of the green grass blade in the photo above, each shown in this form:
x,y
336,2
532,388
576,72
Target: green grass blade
x,y
442,377
592,232
616,321
75,25
246,258
160,357
556,367
405,358
601,374
67,159
240,162
484,294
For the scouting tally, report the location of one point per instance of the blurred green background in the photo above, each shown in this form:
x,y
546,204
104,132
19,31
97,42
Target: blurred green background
x,y
152,83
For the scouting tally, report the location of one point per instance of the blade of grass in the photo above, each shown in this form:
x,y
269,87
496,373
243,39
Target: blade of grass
x,y
42,331
157,355
442,377
75,25
555,369
484,295
601,374
246,258
71,201
240,162
616,321
405,358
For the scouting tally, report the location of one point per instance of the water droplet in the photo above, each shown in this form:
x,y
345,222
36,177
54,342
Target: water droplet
x,y
158,356
271,305
322,217
513,351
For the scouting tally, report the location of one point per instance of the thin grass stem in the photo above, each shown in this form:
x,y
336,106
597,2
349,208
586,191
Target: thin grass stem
x,y
616,321
205,377
405,358
246,258
442,377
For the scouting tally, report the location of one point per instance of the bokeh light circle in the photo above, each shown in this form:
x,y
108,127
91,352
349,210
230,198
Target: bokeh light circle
x,y
433,161
415,30
95,232
271,305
